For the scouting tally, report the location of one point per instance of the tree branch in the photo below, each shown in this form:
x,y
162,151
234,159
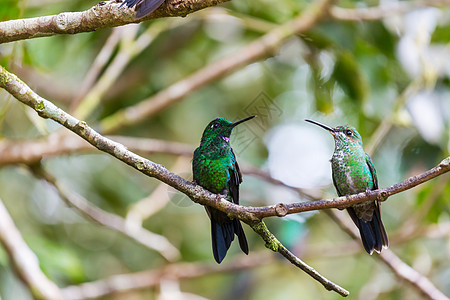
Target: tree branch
x,y
250,215
103,15
198,194
60,143
342,202
24,260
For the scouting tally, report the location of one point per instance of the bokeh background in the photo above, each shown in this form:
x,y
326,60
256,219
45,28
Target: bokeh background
x,y
388,77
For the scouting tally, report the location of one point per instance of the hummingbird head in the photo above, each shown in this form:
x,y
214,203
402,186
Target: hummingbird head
x,y
221,128
343,135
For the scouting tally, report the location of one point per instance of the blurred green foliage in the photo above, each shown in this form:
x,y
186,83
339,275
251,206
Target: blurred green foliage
x,y
339,72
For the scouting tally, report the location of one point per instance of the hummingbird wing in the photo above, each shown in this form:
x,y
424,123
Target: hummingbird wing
x,y
372,172
235,179
233,187
336,187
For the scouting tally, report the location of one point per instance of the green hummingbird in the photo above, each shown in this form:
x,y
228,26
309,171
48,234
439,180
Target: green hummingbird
x,y
215,168
353,172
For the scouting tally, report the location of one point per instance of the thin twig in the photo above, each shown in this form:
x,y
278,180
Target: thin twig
x,y
402,270
157,200
97,65
126,282
25,261
275,245
130,47
421,283
114,222
412,225
386,124
65,142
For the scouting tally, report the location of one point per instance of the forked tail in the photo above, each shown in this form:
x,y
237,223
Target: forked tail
x,y
373,234
223,234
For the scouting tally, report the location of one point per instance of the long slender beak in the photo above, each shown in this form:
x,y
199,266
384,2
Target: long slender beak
x,y
330,129
241,121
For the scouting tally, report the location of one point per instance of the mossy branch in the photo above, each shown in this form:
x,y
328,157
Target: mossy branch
x,y
250,215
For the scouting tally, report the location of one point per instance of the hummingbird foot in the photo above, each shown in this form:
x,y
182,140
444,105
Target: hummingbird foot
x,y
382,196
367,192
342,208
223,194
218,196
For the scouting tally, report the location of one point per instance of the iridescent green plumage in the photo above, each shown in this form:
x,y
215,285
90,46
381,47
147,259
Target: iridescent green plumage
x,y
215,168
353,172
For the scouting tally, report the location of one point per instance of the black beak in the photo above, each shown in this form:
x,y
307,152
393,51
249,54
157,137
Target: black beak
x,y
241,121
330,129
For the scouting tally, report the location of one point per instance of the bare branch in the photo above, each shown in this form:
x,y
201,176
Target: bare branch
x,y
157,200
146,279
342,202
103,15
25,261
63,143
422,284
144,237
275,245
262,47
250,215
402,270
97,65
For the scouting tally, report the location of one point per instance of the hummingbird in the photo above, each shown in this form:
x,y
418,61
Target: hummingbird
x,y
143,7
215,168
353,172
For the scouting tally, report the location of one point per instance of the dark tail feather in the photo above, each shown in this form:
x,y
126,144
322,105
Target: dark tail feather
x,y
373,234
144,7
219,239
223,235
381,231
241,235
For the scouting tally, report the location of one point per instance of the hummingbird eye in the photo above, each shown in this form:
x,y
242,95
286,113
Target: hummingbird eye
x,y
348,133
215,126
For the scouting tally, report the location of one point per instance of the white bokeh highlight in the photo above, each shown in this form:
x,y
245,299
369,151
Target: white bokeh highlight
x,y
299,155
